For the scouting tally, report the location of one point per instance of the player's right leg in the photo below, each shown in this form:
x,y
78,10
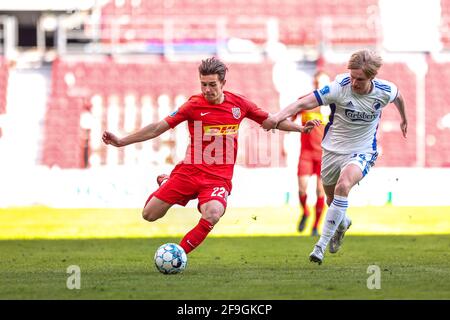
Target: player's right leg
x,y
176,190
329,227
330,172
356,169
212,203
350,175
155,209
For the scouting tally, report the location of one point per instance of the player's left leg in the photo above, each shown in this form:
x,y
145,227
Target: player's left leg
x,y
318,252
364,162
349,176
212,203
211,213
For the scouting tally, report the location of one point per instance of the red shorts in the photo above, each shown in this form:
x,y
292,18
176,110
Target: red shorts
x,y
308,166
180,188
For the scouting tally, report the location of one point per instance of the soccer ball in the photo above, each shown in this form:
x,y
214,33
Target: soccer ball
x,y
170,258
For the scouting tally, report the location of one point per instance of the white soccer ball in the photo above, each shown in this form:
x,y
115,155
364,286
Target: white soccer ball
x,y
170,258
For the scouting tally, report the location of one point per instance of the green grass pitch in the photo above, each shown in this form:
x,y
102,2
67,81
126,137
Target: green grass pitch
x,y
414,266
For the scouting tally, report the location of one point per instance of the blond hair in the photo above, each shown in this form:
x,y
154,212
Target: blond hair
x,y
368,61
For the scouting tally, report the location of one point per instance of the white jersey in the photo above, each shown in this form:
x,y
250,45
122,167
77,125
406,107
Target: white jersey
x,y
354,118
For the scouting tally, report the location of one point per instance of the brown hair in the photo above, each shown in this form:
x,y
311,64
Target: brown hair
x,y
368,61
213,66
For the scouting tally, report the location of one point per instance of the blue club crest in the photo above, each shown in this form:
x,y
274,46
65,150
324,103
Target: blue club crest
x,y
376,105
325,90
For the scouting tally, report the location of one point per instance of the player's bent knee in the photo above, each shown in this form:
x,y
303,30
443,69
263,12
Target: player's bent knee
x,y
146,215
343,187
150,215
213,215
155,209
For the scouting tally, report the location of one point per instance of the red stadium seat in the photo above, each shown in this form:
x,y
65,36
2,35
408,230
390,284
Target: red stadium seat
x,y
299,20
437,115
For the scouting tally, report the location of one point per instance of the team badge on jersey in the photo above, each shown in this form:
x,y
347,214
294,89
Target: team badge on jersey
x,y
376,105
236,112
325,90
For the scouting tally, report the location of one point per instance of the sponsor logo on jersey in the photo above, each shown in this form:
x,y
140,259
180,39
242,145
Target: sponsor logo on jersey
x,y
173,113
236,112
325,90
360,116
221,130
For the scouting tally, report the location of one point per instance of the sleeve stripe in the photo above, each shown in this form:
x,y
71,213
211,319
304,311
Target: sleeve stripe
x,y
345,81
384,88
317,95
396,95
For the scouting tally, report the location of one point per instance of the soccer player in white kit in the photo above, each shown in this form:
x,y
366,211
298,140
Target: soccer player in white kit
x,y
349,144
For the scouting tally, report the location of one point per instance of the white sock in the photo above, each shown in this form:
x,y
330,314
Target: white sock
x,y
335,215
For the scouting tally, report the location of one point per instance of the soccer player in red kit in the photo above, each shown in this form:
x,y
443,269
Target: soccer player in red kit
x,y
214,117
309,162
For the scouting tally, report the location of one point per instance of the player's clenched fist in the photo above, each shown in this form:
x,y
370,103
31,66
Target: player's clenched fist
x,y
269,123
110,138
310,124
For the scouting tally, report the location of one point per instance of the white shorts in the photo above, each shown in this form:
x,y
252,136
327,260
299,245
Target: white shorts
x,y
334,163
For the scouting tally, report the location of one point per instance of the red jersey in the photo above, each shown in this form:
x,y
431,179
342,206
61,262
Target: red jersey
x,y
213,130
312,142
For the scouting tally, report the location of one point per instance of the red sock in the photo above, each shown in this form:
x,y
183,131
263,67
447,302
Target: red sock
x,y
303,204
319,208
196,236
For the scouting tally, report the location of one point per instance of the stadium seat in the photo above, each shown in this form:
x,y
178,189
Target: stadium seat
x,y
437,115
299,21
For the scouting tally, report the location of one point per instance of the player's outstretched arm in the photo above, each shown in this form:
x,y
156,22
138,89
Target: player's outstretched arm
x,y
287,125
307,102
400,104
146,133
